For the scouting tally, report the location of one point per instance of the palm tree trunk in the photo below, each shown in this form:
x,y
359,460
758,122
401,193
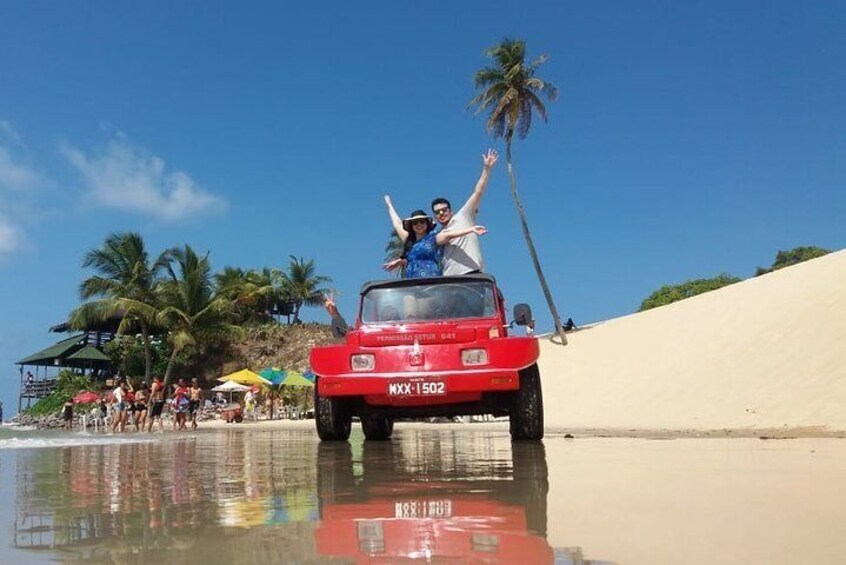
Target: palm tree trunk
x,y
523,224
169,368
148,356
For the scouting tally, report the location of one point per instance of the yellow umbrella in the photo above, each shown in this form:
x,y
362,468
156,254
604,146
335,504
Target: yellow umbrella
x,y
246,377
295,378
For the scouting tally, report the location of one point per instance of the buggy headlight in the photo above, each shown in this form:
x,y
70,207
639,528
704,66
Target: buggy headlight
x,y
474,356
363,362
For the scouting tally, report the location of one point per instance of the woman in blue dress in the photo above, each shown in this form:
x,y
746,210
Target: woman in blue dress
x,y
423,248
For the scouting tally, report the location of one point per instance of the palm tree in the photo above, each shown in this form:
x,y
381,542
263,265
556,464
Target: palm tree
x,y
253,293
510,91
302,286
190,311
394,249
126,284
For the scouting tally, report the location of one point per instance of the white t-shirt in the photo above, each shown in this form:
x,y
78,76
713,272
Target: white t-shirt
x,y
463,254
118,394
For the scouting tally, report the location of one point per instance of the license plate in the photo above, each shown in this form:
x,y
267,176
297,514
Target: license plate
x,y
423,509
417,387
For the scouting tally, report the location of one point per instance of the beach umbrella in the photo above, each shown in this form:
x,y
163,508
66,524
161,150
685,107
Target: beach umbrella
x,y
246,377
293,378
273,374
86,397
231,386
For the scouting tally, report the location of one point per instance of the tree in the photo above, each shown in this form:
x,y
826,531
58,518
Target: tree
x,y
253,293
511,92
793,257
672,293
189,308
394,249
126,284
302,285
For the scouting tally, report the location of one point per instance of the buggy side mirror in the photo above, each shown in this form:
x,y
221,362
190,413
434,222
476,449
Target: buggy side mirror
x,y
522,314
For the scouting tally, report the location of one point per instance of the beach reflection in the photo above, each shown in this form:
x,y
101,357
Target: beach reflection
x,y
279,496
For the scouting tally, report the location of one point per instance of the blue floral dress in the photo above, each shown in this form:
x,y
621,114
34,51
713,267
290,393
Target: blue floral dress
x,y
424,258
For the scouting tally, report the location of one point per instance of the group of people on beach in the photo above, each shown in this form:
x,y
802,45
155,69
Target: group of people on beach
x,y
144,405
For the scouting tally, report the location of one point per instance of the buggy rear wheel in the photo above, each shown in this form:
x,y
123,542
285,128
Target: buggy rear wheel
x,y
377,427
331,416
526,410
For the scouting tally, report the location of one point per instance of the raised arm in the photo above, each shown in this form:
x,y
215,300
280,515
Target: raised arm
x,y
396,221
339,325
445,237
488,161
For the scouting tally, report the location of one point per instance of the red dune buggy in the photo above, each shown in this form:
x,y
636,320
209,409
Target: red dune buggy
x,y
428,348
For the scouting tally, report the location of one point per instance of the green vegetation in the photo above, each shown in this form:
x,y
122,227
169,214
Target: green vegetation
x,y
68,384
393,250
173,315
125,286
672,293
510,93
792,257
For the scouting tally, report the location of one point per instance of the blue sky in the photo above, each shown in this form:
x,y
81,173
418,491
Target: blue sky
x,y
689,139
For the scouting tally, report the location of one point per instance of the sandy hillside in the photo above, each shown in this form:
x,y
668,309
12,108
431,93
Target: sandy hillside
x,y
769,352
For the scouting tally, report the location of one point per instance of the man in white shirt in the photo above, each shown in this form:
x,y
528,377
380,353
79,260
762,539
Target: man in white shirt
x,y
119,409
463,254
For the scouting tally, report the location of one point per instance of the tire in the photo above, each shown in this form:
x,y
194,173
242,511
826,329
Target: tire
x,y
332,417
526,413
377,427
531,484
335,477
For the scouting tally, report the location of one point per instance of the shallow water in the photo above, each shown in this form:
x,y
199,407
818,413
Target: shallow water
x,y
243,495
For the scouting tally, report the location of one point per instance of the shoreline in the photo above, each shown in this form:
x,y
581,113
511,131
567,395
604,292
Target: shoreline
x,y
551,431
559,432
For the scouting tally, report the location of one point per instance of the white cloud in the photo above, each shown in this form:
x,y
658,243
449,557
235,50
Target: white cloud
x,y
127,177
15,174
17,178
11,237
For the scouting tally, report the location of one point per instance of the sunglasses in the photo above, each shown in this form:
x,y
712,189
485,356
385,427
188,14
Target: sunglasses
x,y
441,211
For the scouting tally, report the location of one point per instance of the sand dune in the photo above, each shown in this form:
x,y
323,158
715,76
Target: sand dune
x,y
766,353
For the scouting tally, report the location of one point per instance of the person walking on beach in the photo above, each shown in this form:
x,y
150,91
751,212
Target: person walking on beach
x,y
158,401
195,403
250,404
268,405
67,415
119,407
141,397
180,405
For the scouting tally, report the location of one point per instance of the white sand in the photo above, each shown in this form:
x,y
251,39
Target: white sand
x,y
766,353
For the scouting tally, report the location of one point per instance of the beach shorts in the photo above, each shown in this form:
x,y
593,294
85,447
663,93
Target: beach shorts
x,y
140,406
120,407
193,406
157,408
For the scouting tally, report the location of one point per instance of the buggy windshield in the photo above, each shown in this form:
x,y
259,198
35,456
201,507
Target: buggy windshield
x,y
432,302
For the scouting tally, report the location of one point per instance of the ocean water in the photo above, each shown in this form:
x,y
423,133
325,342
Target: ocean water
x,y
28,437
245,495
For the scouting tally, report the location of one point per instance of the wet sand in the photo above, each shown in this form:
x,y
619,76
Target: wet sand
x,y
271,493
